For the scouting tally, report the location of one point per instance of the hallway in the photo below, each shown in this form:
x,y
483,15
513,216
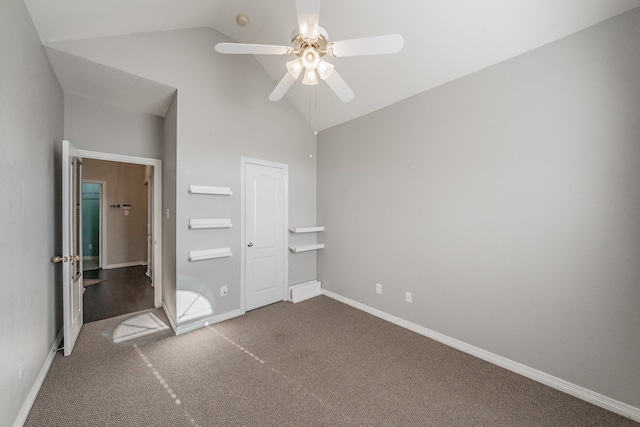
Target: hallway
x,y
123,290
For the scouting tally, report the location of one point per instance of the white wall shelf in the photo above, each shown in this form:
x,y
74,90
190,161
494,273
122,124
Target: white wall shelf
x,y
314,229
203,189
305,248
210,223
209,254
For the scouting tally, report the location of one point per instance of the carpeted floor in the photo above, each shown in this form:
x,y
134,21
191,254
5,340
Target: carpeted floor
x,y
316,363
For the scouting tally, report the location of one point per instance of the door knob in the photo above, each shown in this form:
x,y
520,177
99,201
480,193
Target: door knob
x,y
250,244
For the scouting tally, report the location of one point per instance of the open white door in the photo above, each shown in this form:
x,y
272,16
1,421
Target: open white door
x,y
265,207
71,258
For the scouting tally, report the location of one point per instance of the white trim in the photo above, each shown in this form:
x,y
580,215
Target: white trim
x,y
124,264
305,291
243,162
172,321
35,389
97,155
192,326
157,210
590,396
243,233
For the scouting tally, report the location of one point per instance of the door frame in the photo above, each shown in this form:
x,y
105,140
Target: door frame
x,y
150,222
156,271
244,161
102,255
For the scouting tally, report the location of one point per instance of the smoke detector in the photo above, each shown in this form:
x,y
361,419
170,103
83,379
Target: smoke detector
x,y
242,19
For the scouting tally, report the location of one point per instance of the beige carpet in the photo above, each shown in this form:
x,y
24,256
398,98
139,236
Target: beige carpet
x,y
316,363
138,326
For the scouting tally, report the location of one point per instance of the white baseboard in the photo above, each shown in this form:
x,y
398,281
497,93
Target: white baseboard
x,y
590,396
192,326
124,264
304,291
172,321
35,389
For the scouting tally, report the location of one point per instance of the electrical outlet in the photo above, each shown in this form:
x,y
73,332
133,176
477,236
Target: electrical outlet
x,y
378,288
408,297
20,368
223,291
90,245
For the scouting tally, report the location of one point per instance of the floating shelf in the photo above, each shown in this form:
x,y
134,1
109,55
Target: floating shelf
x,y
209,254
306,229
305,248
202,189
210,223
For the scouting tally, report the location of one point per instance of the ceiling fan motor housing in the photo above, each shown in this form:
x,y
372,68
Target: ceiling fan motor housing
x,y
300,44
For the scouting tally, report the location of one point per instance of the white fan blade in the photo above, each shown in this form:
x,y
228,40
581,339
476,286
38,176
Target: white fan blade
x,y
308,17
340,87
252,49
282,87
378,45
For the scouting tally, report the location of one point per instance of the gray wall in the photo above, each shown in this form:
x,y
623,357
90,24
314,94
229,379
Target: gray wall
x,y
126,235
508,203
222,114
93,125
31,128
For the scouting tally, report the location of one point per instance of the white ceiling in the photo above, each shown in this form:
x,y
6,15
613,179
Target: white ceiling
x,y
444,39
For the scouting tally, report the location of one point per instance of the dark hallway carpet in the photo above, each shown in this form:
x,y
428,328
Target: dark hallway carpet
x,y
124,290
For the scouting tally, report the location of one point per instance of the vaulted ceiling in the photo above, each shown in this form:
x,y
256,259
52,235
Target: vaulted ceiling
x,y
444,40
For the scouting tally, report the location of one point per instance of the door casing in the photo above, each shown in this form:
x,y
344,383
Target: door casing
x,y
156,278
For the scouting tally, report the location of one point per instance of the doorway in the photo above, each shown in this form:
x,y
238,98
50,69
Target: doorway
x,y
115,266
120,284
264,208
120,260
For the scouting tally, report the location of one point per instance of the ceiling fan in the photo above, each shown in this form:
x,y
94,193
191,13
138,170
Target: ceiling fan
x,y
310,44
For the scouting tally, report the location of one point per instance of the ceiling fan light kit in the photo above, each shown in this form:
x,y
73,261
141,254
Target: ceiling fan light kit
x,y
310,43
324,69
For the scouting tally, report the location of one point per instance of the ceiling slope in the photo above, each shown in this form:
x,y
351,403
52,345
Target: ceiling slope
x,y
86,78
444,39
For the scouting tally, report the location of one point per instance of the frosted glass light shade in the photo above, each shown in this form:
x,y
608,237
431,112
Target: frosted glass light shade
x,y
310,78
295,67
324,69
